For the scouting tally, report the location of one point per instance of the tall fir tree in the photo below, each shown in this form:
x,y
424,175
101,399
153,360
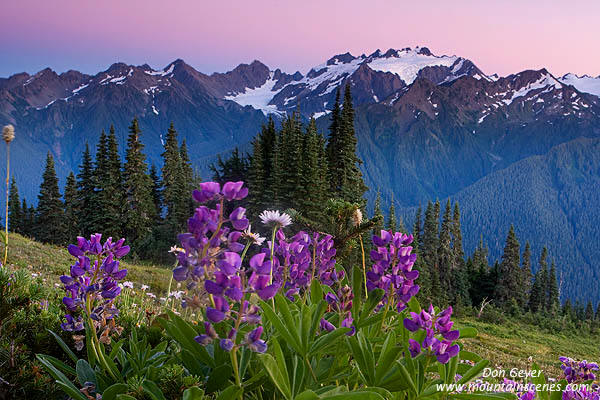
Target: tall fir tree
x,y
553,301
71,222
156,191
15,215
544,275
114,203
86,194
141,212
191,179
509,274
50,216
344,172
589,311
526,275
314,185
174,184
26,221
462,283
392,222
445,254
103,197
429,251
378,215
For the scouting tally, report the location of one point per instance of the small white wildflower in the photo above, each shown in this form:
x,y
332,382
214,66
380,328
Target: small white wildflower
x,y
253,237
128,284
144,287
274,217
175,249
34,275
151,295
177,294
163,299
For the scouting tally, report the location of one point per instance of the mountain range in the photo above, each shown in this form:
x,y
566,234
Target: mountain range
x,y
519,149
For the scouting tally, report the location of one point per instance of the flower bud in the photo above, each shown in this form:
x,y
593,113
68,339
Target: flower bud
x,y
8,133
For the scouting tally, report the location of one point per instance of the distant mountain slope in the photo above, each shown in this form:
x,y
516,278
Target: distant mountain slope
x,y
553,200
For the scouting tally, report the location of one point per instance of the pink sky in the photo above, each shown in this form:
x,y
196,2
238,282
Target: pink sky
x,y
502,36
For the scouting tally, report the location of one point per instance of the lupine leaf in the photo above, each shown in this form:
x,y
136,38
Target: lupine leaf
x,y
316,291
278,377
85,373
327,339
64,346
193,393
111,392
153,390
232,392
218,378
61,379
468,332
474,371
406,377
281,327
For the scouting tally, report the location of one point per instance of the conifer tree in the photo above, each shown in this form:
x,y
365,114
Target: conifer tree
x,y
141,212
392,221
233,169
15,216
86,194
70,196
190,178
462,275
567,309
346,179
417,231
597,316
156,190
589,311
509,274
26,221
314,185
102,195
50,215
552,289
536,294
424,273
174,184
378,215
445,254
526,275
114,202
430,251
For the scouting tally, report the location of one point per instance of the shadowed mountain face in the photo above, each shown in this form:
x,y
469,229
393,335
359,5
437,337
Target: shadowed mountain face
x,y
428,127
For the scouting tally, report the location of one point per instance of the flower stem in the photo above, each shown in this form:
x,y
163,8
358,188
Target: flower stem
x,y
272,253
6,224
236,372
364,265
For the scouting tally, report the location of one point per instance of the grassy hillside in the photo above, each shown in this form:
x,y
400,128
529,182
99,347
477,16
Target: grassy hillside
x,y
53,261
507,346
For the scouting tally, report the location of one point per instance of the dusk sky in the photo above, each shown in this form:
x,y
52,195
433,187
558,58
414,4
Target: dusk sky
x,y
498,36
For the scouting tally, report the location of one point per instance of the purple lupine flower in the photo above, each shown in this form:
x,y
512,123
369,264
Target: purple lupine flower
x,y
414,347
578,371
95,281
439,336
326,325
392,268
254,342
211,265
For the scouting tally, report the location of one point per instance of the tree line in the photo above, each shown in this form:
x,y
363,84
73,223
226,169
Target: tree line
x,y
120,199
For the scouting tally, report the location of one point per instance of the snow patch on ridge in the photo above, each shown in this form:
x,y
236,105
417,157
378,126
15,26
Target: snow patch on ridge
x,y
258,97
408,63
583,83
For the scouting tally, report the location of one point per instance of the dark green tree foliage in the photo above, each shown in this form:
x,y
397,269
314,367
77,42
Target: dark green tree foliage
x,y
509,274
597,316
102,195
445,254
567,309
141,212
552,301
233,169
314,185
589,311
378,215
191,179
71,222
86,194
482,280
262,185
27,220
461,278
420,265
429,252
15,215
527,276
50,215
346,179
174,185
156,190
114,202
538,295
392,220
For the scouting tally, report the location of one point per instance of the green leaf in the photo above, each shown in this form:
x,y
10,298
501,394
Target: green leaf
x,y
357,289
125,397
474,371
375,297
61,365
406,377
468,332
291,337
539,379
85,373
66,385
111,392
232,392
387,356
316,291
414,306
307,395
153,390
467,355
279,378
219,377
64,346
193,393
360,394
326,340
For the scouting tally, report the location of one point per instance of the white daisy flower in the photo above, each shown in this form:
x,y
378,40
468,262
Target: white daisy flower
x,y
144,287
274,217
128,284
253,237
